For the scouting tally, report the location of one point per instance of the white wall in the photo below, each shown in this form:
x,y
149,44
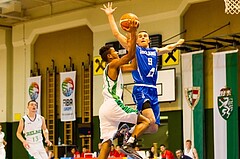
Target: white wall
x,y
3,79
6,74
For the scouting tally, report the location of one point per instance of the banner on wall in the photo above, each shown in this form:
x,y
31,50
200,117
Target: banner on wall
x,y
34,90
193,99
67,97
225,104
98,65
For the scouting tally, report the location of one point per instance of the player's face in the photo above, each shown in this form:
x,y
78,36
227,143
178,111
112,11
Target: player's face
x,y
32,106
188,145
178,154
114,54
73,150
152,149
118,148
162,148
143,39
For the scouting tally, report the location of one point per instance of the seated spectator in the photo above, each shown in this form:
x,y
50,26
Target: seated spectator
x,y
151,153
136,148
118,153
165,154
112,151
180,155
75,153
190,151
85,150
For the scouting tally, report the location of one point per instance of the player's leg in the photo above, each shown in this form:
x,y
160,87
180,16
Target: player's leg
x,y
108,116
142,125
2,153
36,155
42,152
33,151
148,105
142,96
105,149
147,111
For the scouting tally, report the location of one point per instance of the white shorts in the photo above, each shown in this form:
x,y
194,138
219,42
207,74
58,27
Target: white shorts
x,y
111,114
2,153
37,151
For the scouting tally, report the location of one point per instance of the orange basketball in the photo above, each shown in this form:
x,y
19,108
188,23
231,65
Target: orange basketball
x,y
124,21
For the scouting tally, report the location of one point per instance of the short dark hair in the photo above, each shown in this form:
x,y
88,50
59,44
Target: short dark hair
x,y
178,150
162,145
104,51
189,141
32,101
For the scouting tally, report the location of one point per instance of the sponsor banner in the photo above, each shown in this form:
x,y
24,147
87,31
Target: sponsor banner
x,y
67,94
34,90
98,65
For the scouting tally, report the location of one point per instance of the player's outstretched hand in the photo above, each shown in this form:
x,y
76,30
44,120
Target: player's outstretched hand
x,y
108,9
180,42
173,46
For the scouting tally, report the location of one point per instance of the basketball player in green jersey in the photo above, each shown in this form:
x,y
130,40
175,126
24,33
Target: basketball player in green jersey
x,y
32,125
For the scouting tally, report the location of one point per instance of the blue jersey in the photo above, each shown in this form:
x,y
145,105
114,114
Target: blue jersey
x,y
146,72
145,78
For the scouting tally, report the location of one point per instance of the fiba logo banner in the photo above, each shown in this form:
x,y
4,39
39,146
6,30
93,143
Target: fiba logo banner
x,y
225,103
34,90
192,95
67,88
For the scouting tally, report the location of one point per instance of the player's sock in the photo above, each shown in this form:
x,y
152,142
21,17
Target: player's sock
x,y
131,140
132,129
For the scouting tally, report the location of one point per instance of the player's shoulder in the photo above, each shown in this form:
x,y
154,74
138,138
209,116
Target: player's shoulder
x,y
40,116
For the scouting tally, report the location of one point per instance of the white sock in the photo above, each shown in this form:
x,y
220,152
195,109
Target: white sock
x,y
132,129
131,140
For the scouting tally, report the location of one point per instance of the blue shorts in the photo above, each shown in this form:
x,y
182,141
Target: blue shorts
x,y
141,94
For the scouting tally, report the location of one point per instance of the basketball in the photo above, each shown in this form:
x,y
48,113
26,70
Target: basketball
x,y
124,21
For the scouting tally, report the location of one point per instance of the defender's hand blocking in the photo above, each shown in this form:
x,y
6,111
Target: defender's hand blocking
x,y
129,21
180,42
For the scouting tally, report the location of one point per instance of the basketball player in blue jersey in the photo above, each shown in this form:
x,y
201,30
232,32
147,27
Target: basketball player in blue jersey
x,y
32,125
145,76
113,111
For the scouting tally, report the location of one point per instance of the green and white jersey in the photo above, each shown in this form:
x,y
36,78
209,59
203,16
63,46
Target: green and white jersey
x,y
1,139
33,129
112,89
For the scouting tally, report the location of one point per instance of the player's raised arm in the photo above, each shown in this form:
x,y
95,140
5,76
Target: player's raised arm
x,y
109,12
131,29
170,47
